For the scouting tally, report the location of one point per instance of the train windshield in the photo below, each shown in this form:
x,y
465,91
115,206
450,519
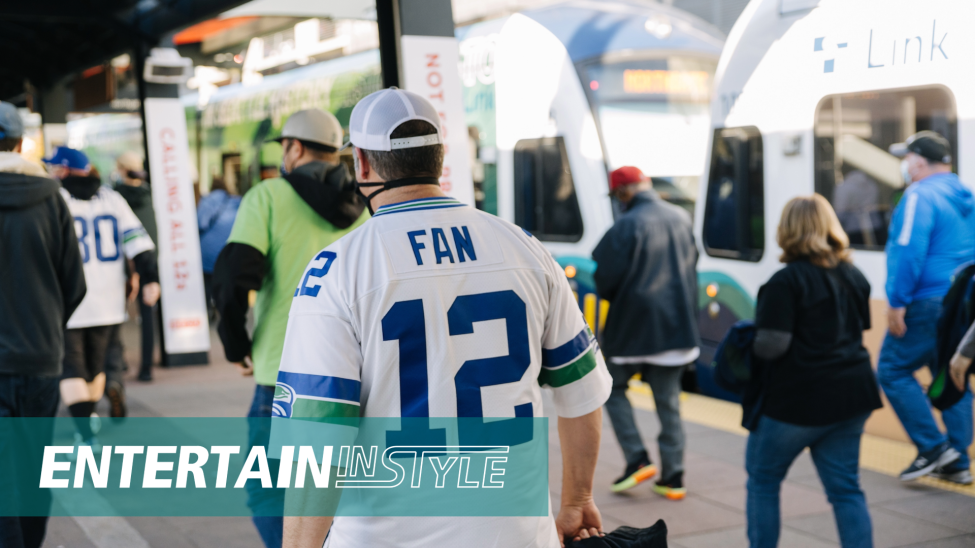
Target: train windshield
x,y
654,114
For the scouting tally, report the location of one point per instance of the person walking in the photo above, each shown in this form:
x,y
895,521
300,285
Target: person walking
x,y
960,365
394,272
131,183
932,233
215,215
37,234
818,385
108,233
280,224
646,269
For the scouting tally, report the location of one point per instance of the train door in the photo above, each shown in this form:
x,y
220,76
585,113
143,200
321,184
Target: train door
x,y
733,238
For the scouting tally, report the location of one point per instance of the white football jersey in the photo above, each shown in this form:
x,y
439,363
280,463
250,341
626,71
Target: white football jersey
x,y
433,308
108,233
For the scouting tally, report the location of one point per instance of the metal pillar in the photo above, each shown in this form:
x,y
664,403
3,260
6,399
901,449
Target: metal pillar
x,y
418,52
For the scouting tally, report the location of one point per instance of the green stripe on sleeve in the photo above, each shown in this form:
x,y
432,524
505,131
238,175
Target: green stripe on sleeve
x,y
322,411
569,373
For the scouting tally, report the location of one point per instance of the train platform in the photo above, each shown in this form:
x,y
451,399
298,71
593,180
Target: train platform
x,y
927,513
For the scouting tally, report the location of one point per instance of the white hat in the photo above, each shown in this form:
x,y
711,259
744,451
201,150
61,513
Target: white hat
x,y
314,125
378,114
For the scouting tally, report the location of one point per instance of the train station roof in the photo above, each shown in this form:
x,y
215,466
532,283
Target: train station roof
x,y
45,41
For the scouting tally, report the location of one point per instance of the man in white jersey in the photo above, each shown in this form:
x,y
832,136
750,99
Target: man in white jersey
x,y
108,234
398,319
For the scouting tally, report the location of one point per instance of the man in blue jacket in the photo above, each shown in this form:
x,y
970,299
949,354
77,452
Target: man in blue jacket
x,y
931,235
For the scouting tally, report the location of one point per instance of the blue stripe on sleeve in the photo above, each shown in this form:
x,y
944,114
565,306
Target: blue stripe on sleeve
x,y
320,386
567,352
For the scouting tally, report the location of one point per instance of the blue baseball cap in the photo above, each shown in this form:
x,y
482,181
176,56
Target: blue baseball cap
x,y
11,126
70,158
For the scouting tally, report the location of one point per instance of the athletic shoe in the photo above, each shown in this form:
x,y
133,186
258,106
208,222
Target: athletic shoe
x,y
954,473
673,488
926,462
116,399
96,446
635,474
95,423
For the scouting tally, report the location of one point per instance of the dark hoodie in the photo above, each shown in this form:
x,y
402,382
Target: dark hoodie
x,y
139,199
42,280
329,190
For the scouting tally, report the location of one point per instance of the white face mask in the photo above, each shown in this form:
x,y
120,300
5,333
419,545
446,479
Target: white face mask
x,y
906,172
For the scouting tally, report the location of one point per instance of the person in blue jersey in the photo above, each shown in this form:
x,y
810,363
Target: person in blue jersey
x,y
932,233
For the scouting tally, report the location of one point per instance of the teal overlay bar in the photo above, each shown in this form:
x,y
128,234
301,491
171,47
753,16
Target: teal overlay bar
x,y
345,467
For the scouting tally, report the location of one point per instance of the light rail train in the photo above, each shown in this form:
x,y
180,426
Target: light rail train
x,y
555,98
809,95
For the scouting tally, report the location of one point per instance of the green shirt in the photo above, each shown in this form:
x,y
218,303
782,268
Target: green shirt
x,y
274,220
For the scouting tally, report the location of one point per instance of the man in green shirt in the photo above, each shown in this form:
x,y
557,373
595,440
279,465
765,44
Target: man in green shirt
x,y
281,224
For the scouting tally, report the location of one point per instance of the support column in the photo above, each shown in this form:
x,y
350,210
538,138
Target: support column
x,y
419,52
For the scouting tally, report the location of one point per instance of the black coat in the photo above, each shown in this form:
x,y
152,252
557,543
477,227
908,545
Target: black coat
x,y
42,279
646,269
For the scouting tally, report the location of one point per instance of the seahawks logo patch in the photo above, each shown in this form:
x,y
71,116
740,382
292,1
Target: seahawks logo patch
x,y
284,399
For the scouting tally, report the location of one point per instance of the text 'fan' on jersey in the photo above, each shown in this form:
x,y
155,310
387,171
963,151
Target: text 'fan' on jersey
x,y
108,233
435,309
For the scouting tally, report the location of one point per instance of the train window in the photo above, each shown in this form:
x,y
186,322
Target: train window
x,y
545,195
852,166
645,105
734,214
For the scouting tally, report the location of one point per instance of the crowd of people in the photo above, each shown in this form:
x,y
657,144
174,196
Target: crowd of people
x,y
812,382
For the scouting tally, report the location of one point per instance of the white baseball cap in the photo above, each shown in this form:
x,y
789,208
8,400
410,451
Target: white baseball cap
x,y
314,125
378,114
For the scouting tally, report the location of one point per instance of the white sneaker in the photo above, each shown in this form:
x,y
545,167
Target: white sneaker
x,y
96,423
96,446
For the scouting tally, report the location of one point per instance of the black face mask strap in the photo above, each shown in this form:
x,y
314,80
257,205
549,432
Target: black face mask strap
x,y
388,185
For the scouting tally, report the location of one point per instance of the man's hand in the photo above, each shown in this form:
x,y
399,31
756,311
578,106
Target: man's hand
x,y
579,521
132,287
245,367
150,293
895,321
959,370
579,518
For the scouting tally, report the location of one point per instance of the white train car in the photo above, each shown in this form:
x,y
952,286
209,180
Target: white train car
x,y
809,95
557,97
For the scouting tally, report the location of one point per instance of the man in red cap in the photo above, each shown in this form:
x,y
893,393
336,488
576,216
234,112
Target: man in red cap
x,y
646,269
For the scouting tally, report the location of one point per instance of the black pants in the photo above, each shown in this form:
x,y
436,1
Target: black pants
x,y
115,366
148,327
24,396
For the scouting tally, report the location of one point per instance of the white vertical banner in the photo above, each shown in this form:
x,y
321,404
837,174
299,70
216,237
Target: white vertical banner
x,y
185,324
431,68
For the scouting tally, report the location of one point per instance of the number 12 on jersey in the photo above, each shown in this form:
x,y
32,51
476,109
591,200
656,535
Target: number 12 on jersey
x,y
406,324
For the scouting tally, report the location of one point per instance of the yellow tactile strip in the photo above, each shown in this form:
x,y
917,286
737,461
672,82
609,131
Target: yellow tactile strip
x,y
876,453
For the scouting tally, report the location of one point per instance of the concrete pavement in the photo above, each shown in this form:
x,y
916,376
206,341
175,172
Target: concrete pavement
x,y
712,515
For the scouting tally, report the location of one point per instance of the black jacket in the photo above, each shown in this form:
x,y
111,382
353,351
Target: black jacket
x,y
139,199
330,190
646,269
42,280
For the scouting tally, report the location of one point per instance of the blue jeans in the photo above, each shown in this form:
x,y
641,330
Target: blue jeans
x,y
835,449
267,505
24,396
899,359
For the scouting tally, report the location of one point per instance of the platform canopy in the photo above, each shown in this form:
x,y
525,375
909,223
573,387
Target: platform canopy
x,y
44,41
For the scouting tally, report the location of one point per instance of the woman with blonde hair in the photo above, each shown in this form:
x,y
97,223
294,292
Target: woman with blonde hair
x,y
819,387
